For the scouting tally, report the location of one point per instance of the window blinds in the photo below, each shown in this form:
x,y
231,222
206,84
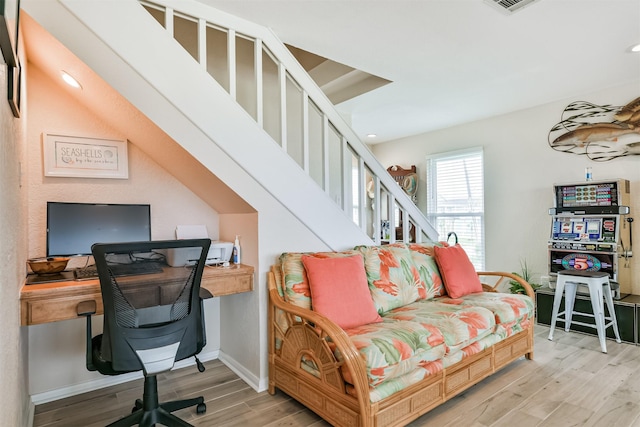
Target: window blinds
x,y
455,199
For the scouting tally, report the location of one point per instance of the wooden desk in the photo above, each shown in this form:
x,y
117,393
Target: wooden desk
x,y
51,302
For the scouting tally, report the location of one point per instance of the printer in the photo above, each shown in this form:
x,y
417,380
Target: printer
x,y
219,252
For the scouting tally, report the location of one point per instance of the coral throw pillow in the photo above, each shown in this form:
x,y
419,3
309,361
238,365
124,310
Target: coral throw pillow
x,y
458,274
339,290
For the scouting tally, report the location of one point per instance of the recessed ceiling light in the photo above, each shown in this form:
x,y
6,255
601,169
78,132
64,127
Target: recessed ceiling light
x,y
70,80
371,135
635,48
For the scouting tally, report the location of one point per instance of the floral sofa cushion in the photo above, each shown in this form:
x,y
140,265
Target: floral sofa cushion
x,y
422,255
392,275
396,384
414,336
473,348
460,324
507,308
391,349
513,312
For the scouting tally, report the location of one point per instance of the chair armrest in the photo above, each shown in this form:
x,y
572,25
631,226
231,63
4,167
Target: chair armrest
x,y
501,277
327,331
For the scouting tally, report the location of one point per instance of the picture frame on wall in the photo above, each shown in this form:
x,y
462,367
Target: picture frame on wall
x,y
9,22
84,157
14,77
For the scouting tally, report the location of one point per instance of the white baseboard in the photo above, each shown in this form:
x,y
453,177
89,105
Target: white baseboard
x,y
72,390
107,381
258,384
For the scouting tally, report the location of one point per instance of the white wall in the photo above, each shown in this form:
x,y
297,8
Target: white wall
x,y
520,171
13,254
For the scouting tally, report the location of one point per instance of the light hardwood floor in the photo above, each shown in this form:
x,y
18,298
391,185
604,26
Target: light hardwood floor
x,y
569,383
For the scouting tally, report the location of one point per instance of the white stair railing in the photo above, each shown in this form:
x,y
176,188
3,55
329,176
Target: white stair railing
x,y
259,72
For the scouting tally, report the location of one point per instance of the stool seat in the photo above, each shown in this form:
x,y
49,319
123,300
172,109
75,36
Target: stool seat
x,y
585,274
599,287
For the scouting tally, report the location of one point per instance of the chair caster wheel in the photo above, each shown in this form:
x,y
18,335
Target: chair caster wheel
x,y
201,408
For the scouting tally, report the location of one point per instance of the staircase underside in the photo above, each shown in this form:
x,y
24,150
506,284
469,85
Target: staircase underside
x,y
338,81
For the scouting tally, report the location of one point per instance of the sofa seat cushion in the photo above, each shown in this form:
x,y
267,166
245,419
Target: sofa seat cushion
x,y
505,330
394,348
474,348
459,324
507,308
397,384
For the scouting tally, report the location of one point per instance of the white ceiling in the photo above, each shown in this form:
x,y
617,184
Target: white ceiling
x,y
456,61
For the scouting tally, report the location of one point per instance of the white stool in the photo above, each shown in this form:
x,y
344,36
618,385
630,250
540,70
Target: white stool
x,y
599,287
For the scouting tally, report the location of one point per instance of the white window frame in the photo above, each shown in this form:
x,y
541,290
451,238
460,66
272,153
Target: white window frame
x,y
434,215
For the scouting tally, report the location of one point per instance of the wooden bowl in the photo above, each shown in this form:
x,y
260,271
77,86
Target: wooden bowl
x,y
49,265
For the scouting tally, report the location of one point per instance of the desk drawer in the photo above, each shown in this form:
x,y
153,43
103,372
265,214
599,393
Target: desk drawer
x,y
228,285
53,310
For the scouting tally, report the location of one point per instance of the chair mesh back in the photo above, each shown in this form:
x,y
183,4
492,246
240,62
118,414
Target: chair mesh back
x,y
150,292
142,302
125,313
180,308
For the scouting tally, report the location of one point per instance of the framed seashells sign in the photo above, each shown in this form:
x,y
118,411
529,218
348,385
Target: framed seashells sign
x,y
84,157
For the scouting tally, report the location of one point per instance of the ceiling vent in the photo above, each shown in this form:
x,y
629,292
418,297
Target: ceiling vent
x,y
509,6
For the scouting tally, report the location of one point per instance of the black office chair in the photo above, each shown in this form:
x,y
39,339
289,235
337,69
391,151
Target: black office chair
x,y
152,318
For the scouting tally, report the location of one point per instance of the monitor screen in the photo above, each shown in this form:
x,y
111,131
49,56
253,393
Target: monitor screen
x,y
73,227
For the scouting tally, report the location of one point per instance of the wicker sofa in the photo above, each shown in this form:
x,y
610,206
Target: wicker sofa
x,y
423,346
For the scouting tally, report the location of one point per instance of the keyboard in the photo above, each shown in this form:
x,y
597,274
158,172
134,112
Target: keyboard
x,y
85,273
133,269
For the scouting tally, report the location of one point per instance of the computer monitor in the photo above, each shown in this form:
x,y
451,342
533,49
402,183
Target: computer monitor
x,y
73,227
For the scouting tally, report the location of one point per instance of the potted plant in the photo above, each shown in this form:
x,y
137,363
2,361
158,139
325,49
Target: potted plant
x,y
526,274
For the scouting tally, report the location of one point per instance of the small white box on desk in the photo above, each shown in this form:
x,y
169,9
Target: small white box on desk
x,y
219,252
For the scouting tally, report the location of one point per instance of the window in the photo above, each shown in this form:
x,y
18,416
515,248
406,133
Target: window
x,y
455,199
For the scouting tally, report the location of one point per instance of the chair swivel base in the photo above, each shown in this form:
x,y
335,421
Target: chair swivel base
x,y
148,412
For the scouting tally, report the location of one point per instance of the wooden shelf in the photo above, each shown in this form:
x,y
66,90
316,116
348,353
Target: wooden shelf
x,y
52,302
